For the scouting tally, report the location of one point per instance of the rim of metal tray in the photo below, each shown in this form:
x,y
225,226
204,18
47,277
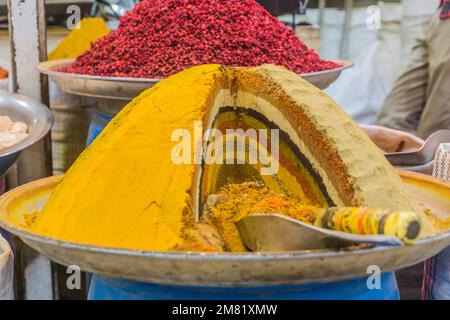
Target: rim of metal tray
x,y
48,68
22,232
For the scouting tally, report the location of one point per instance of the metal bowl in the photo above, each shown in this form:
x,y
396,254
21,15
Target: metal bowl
x,y
226,269
119,88
323,79
36,115
389,140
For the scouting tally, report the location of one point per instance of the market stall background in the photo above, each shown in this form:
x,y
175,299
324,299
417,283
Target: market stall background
x,y
392,40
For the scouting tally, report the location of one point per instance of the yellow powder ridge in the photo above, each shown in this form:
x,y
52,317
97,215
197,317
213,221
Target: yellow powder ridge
x,y
126,191
79,40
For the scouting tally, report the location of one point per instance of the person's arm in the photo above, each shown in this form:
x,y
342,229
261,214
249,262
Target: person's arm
x,y
436,113
404,105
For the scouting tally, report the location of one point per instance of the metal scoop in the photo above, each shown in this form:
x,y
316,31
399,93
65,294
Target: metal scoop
x,y
422,156
273,232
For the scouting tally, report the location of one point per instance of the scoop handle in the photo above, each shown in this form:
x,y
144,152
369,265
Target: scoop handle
x,y
405,225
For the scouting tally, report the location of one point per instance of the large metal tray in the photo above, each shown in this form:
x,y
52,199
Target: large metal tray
x,y
209,269
128,88
36,115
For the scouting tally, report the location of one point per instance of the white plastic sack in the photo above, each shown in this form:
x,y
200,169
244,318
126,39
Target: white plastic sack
x,y
6,271
361,90
360,37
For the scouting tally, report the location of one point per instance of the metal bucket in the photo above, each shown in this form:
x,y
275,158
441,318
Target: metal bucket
x,y
69,134
72,115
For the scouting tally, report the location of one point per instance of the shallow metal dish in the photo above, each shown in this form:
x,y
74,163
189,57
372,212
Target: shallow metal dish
x,y
36,115
388,140
208,269
119,88
323,79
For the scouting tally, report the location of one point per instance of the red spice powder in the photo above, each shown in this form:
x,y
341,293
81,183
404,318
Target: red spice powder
x,y
161,37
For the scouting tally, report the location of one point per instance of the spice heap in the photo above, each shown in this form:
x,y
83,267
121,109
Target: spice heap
x,y
11,132
161,37
236,201
129,189
79,40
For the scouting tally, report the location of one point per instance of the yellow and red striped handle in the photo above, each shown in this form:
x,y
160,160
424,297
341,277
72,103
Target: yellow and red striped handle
x,y
405,225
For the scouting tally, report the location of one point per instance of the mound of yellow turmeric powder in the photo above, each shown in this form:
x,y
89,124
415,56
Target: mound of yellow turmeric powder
x,y
142,186
79,40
